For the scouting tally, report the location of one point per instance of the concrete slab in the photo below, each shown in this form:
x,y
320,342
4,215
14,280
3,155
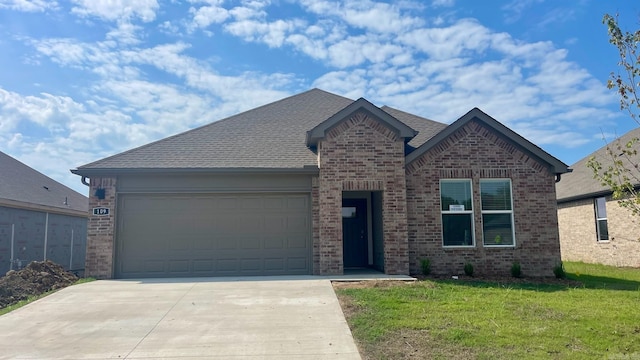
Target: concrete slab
x,y
195,318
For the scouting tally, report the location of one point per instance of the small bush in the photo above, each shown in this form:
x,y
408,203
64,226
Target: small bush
x,y
516,270
558,271
468,269
425,266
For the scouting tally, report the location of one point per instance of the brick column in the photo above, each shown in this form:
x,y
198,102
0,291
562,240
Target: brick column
x,y
101,230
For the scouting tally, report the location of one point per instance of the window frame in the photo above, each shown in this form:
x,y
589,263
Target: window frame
x,y
470,213
599,219
489,212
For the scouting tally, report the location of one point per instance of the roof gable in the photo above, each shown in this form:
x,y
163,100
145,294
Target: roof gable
x,y
555,165
319,131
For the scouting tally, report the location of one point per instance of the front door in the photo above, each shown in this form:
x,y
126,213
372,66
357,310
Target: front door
x,y
354,233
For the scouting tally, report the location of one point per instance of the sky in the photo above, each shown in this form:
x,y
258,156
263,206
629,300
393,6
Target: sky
x,y
84,79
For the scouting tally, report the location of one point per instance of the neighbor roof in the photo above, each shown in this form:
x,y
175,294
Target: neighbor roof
x,y
581,184
268,137
22,186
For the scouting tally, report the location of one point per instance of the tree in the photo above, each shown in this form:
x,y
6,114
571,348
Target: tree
x,y
620,169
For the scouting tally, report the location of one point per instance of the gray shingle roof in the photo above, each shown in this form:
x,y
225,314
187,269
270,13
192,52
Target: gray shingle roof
x,y
24,186
271,136
580,183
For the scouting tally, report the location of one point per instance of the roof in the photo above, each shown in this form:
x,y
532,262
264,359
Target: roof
x,y
269,137
475,114
319,131
281,136
22,186
580,183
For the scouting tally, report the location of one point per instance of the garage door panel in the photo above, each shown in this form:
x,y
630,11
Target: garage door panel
x,y
213,235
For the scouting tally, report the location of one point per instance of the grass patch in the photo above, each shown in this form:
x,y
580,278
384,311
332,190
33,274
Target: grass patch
x,y
445,319
31,299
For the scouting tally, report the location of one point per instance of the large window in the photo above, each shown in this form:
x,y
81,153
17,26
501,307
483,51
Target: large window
x,y
602,227
457,213
497,212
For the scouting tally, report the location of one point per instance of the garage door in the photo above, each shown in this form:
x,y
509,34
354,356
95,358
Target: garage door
x,y
213,235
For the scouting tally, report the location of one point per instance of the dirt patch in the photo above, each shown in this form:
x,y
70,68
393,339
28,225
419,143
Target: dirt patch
x,y
36,278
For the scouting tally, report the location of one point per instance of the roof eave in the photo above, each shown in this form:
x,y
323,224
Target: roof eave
x,y
307,169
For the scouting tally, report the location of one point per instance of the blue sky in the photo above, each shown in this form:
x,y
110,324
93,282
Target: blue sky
x,y
84,79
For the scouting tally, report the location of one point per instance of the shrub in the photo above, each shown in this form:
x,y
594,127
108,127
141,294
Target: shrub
x,y
425,266
468,269
516,270
558,271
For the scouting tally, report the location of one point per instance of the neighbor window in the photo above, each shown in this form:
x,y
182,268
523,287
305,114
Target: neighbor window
x,y
457,213
602,227
497,212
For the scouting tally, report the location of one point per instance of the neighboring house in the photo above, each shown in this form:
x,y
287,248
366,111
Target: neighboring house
x,y
593,227
40,219
317,183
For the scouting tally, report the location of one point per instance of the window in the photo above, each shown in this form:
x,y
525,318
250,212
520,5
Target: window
x,y
602,227
457,213
497,212
348,212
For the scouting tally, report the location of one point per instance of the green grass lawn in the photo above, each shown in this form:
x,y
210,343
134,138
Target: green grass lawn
x,y
482,320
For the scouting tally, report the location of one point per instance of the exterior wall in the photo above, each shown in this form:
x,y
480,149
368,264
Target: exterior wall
x,y
101,230
475,152
37,236
578,238
361,154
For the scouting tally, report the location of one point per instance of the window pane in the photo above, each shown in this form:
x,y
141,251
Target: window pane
x,y
603,230
601,208
454,192
497,229
456,229
348,212
495,195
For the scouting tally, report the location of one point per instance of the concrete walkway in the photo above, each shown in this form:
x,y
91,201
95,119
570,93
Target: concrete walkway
x,y
195,318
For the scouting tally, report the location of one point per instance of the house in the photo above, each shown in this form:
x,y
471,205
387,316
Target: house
x,y
593,227
40,219
317,183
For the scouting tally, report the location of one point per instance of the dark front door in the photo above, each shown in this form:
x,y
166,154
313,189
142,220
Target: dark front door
x,y
354,232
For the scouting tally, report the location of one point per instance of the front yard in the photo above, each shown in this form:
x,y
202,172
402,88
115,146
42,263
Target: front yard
x,y
594,318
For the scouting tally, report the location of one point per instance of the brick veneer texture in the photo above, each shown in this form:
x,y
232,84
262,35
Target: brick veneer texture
x,y
101,231
475,152
361,154
578,238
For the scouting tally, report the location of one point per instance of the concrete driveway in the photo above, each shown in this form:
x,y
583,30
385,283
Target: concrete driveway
x,y
203,318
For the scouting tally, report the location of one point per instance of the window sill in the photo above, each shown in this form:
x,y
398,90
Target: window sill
x,y
458,246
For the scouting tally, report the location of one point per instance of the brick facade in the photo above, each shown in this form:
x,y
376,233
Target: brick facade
x,y
101,231
475,152
578,237
361,154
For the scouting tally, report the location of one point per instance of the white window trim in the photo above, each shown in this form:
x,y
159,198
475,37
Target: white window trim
x,y
482,212
443,212
598,219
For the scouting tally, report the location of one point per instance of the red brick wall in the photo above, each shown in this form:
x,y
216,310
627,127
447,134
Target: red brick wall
x,y
361,154
475,152
101,231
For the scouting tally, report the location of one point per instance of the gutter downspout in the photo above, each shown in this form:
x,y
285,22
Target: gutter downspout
x,y
84,181
558,176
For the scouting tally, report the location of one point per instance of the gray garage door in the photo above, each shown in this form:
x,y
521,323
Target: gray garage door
x,y
213,235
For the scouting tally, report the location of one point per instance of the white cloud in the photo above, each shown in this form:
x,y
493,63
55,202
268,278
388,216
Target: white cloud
x,y
28,5
207,15
117,10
